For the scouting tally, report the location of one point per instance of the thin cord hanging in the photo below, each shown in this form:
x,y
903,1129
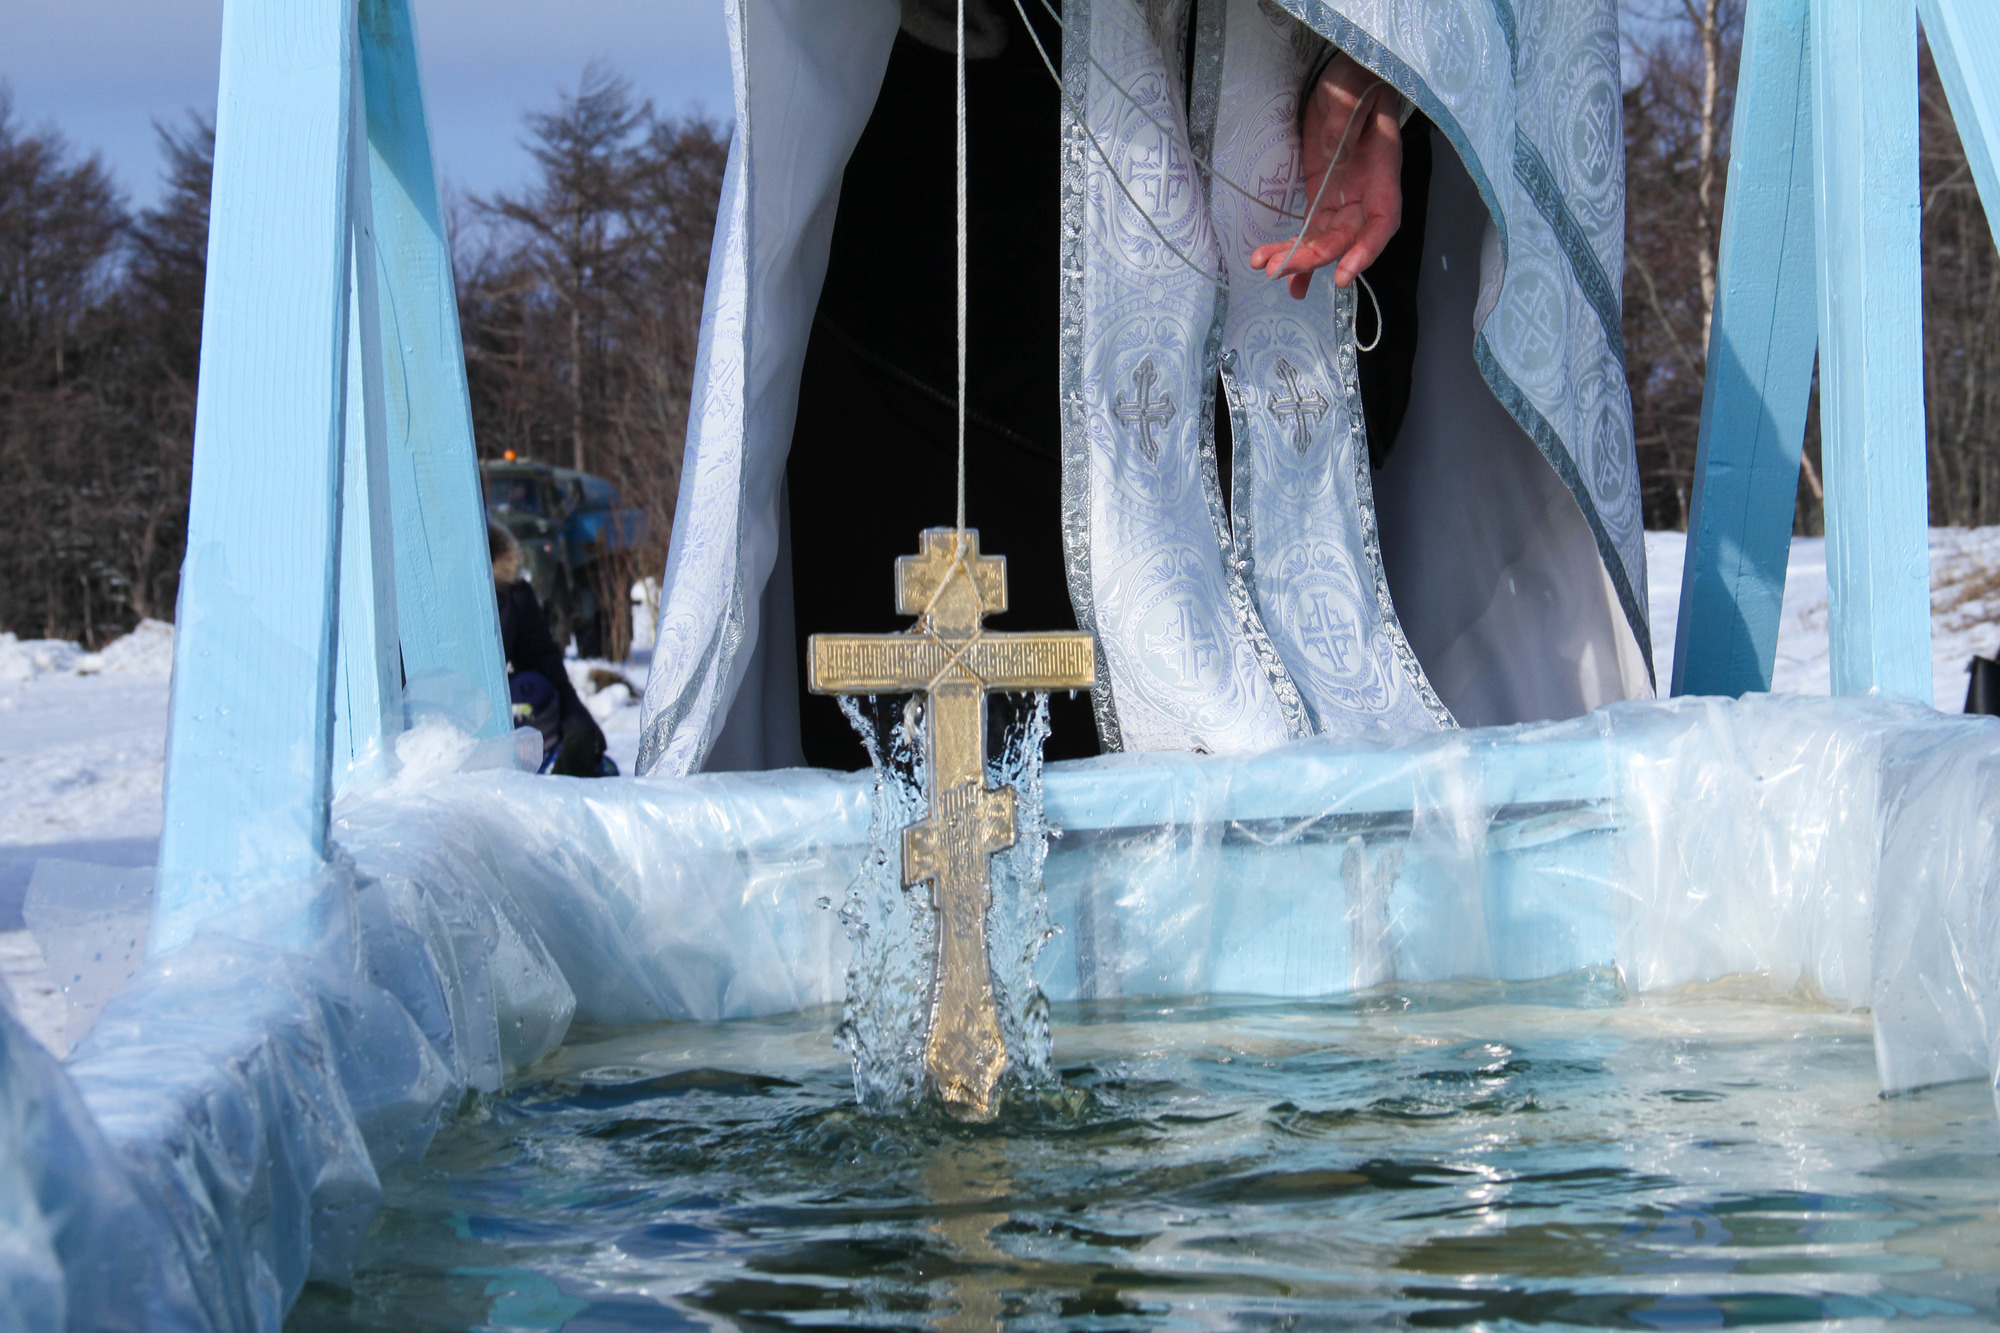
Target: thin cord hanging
x,y
1376,341
1083,123
963,247
1159,125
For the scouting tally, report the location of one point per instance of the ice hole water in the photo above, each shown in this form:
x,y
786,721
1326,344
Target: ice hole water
x,y
1585,1023
1429,1156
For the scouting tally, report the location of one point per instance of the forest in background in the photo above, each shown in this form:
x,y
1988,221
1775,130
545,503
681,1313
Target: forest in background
x,y
580,296
1681,62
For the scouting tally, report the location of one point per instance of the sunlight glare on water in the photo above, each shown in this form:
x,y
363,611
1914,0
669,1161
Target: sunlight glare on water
x,y
1422,1157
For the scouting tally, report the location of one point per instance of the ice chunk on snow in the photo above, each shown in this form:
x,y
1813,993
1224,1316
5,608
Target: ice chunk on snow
x,y
147,651
37,1001
90,922
25,659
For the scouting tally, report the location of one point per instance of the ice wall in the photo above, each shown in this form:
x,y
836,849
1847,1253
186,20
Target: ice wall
x,y
1837,847
233,1102
74,1244
214,1141
1675,842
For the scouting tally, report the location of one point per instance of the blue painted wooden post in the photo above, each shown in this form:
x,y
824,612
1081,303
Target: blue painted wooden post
x,y
1864,66
444,579
250,725
368,701
1965,41
1760,357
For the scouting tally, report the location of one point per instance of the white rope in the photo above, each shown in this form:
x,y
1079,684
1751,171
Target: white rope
x,y
1157,123
963,286
1377,341
1145,215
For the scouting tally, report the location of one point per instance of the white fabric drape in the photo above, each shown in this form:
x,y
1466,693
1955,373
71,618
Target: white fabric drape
x,y
1509,514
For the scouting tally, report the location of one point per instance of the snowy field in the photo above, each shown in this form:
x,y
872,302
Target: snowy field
x,y
83,735
82,752
1965,609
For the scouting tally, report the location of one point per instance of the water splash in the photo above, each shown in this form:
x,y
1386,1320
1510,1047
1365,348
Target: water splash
x,y
894,930
1018,924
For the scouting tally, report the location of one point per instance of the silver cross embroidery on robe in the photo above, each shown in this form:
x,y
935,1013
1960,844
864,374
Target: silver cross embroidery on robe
x,y
1142,413
1300,407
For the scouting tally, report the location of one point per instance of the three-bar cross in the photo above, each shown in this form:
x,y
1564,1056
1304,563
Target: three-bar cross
x,y
952,658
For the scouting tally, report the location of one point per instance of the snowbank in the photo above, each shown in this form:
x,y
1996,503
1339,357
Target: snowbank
x,y
25,659
147,651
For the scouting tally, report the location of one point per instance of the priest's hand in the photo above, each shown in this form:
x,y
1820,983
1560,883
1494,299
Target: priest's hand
x,y
1362,205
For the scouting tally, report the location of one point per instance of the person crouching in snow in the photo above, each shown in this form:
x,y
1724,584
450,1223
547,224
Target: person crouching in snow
x,y
572,743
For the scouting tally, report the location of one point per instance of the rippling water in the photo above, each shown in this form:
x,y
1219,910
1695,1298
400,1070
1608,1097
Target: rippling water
x,y
1425,1157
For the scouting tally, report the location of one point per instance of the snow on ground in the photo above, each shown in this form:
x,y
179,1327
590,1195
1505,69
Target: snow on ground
x,y
612,692
82,755
82,748
1965,609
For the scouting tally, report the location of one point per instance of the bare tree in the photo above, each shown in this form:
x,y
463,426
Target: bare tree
x,y
165,283
1680,57
574,241
1961,324
64,411
1708,18
580,300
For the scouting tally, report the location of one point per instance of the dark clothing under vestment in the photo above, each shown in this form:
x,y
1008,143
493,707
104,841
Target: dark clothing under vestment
x,y
874,450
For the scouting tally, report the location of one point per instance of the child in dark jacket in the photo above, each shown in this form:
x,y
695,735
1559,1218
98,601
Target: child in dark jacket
x,y
572,743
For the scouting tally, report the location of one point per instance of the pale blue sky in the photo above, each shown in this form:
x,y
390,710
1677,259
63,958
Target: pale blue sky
x,y
101,70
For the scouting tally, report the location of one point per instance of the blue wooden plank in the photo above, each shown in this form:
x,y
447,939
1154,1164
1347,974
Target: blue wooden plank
x,y
368,705
1965,41
250,722
1759,380
444,578
1868,214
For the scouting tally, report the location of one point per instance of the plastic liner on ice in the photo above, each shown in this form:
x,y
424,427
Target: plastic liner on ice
x,y
214,1142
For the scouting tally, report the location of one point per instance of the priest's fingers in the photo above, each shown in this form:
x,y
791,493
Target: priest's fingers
x,y
1329,238
1367,248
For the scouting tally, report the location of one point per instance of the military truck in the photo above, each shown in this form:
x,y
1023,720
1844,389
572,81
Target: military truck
x,y
569,525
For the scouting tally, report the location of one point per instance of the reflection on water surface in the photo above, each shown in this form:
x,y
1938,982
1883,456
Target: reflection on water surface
x,y
1423,1157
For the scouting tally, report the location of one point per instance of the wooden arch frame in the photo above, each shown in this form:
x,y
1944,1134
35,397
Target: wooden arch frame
x,y
1820,254
336,529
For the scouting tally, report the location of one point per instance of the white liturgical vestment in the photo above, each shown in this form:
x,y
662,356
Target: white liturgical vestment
x,y
1494,571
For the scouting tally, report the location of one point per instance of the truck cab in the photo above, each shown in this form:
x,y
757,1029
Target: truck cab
x,y
572,530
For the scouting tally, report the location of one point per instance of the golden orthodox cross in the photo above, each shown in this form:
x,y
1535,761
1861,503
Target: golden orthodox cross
x,y
949,656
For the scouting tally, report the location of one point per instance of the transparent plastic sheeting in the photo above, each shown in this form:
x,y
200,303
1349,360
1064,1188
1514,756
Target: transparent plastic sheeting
x,y
243,1089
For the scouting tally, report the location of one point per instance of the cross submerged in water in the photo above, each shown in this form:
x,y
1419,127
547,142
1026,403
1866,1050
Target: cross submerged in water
x,y
950,657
